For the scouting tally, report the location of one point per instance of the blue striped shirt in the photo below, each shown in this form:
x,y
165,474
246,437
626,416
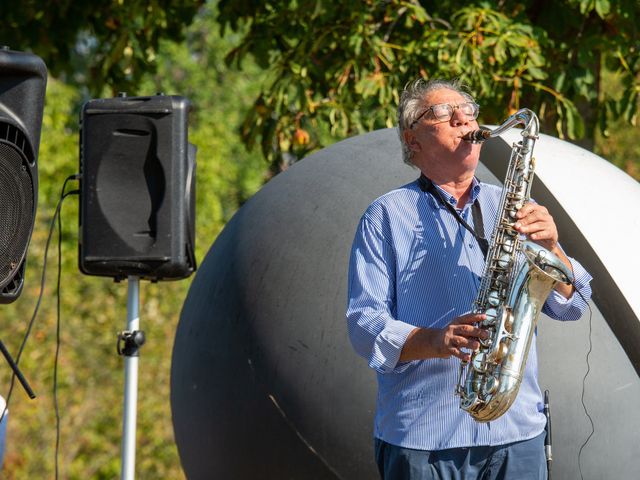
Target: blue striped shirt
x,y
412,264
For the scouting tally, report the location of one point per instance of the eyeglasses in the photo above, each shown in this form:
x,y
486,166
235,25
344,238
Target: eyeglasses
x,y
444,111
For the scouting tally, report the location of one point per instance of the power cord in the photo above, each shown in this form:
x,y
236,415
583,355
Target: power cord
x,y
584,379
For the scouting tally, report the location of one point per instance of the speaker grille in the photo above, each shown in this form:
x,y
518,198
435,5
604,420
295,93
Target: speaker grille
x,y
16,204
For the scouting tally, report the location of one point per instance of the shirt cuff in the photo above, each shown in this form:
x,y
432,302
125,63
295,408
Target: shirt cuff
x,y
558,303
388,346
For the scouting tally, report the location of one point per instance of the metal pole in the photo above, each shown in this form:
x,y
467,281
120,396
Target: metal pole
x,y
130,383
547,438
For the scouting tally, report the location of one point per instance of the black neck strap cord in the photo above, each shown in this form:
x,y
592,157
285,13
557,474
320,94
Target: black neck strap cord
x,y
426,185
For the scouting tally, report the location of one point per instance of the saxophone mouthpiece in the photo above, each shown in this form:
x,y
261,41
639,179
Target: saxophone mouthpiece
x,y
477,136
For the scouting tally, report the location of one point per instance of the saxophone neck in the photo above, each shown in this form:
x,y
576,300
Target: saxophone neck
x,y
524,117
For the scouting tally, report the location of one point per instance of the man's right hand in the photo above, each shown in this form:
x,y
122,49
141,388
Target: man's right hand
x,y
462,332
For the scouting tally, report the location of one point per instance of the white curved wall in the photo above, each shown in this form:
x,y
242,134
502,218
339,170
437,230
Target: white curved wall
x,y
602,200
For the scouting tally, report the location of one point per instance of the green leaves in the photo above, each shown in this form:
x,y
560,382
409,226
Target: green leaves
x,y
336,71
333,69
100,44
601,7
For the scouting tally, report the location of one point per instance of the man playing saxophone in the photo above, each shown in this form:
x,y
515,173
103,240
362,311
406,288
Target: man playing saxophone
x,y
415,269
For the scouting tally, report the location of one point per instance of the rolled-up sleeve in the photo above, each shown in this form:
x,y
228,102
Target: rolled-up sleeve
x,y
572,308
374,331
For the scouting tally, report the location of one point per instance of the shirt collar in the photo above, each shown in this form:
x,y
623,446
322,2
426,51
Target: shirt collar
x,y
476,187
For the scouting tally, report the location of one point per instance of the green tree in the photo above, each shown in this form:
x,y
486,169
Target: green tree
x,y
99,43
341,64
619,143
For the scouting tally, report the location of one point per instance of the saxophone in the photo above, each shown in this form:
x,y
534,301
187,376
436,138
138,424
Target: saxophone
x,y
513,289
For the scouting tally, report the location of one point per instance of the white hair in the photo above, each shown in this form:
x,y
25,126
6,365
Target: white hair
x,y
412,103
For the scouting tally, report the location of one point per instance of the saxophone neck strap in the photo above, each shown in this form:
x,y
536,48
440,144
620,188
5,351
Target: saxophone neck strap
x,y
426,185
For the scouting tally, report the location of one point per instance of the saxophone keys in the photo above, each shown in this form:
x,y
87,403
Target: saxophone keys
x,y
502,349
486,342
497,354
513,210
493,298
477,383
479,362
469,401
459,389
504,260
507,246
492,317
490,386
508,229
508,323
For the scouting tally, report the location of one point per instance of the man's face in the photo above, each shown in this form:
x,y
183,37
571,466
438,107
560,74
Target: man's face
x,y
436,144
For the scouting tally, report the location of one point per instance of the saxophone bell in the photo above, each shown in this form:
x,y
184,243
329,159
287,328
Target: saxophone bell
x,y
477,136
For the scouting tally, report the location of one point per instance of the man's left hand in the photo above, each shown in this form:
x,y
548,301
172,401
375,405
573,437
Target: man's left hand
x,y
536,222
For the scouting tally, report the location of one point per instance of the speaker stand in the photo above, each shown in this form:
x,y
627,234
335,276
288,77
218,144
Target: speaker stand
x,y
129,343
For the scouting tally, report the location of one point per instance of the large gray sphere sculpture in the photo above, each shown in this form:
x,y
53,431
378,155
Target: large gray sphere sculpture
x,y
264,382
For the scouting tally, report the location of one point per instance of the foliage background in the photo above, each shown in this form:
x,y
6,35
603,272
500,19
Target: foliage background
x,y
342,65
178,48
93,310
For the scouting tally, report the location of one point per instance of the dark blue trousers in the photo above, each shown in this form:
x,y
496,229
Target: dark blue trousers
x,y
515,461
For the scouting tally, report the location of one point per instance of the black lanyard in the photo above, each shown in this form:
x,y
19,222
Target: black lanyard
x,y
426,185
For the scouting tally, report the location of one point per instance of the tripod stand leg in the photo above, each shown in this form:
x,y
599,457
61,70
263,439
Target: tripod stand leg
x,y
16,371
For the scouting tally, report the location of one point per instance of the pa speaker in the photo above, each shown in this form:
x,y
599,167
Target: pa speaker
x,y
137,188
23,81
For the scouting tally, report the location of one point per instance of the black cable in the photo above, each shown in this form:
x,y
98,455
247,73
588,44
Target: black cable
x,y
57,354
584,406
584,379
40,294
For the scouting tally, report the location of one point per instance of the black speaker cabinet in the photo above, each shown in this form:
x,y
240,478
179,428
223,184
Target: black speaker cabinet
x,y
23,81
137,188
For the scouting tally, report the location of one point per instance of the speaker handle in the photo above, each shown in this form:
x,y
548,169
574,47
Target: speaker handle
x,y
191,158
